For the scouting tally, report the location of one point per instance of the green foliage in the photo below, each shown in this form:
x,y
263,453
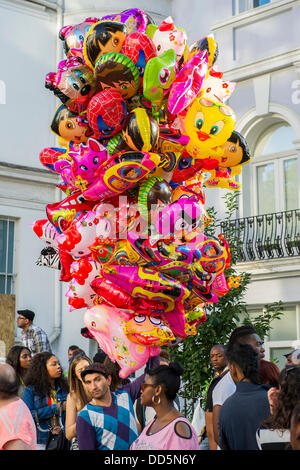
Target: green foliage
x,y
222,318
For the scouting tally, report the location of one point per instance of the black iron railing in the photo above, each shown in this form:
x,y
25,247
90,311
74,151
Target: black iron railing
x,y
266,236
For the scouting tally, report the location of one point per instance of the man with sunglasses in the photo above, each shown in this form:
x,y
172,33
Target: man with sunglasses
x,y
108,421
33,337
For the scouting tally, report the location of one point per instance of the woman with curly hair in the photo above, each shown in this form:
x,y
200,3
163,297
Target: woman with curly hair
x,y
275,431
19,358
45,393
169,430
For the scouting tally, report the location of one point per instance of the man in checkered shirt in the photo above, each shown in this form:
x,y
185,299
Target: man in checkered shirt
x,y
33,337
108,421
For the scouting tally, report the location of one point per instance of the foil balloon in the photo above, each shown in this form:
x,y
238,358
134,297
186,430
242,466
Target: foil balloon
x,y
188,83
73,84
121,173
78,237
158,78
167,36
80,293
106,325
136,281
148,331
73,36
117,71
46,232
209,125
61,214
134,19
82,170
106,112
208,44
102,38
236,153
140,49
69,127
140,130
216,89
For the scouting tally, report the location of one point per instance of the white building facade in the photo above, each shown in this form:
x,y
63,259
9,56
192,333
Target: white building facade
x,y
259,49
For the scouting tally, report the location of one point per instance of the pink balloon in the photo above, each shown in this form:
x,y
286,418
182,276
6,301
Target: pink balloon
x,y
106,325
188,83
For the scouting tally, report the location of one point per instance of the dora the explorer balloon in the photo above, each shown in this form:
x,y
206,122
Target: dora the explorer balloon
x,y
70,127
236,154
209,125
103,37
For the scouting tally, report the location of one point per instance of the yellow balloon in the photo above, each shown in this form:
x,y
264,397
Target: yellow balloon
x,y
209,125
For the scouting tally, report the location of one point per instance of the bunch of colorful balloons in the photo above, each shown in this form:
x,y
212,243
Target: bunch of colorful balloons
x,y
143,122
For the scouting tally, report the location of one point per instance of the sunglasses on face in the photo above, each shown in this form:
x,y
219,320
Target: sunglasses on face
x,y
144,386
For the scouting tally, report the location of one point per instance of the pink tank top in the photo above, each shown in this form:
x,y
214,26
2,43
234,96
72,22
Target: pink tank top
x,y
166,438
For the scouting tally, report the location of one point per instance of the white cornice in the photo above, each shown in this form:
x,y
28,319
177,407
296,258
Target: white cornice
x,y
271,269
33,9
263,66
27,174
255,14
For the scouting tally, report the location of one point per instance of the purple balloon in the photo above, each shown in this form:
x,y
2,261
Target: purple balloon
x,y
134,18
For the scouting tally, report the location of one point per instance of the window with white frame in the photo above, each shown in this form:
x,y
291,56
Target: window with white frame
x,y
284,335
7,233
275,170
243,5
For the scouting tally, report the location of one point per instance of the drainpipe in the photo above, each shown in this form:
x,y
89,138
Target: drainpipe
x,y
58,288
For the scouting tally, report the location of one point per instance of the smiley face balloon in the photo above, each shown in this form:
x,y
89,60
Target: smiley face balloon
x,y
209,125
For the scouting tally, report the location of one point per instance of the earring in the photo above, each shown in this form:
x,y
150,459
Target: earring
x,y
155,402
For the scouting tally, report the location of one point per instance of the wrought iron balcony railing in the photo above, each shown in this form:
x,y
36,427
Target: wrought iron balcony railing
x,y
266,236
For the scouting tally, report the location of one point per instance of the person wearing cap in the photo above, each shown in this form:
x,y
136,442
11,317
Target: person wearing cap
x,y
108,421
33,337
292,358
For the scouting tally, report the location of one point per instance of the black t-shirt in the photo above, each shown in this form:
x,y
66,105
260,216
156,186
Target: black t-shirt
x,y
209,401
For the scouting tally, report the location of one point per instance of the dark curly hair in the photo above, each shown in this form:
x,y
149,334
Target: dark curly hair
x,y
168,377
288,398
37,375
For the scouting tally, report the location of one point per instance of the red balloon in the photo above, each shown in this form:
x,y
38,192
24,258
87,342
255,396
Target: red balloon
x,y
106,113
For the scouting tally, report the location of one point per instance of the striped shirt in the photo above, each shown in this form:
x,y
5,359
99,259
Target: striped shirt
x,y
16,423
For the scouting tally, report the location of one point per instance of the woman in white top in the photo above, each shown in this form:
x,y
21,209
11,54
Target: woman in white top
x,y
275,431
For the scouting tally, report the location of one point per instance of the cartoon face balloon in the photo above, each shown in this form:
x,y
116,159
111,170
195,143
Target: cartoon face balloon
x,y
167,36
119,72
73,36
81,234
106,325
140,49
159,76
85,161
216,89
148,330
102,38
106,113
73,84
69,126
208,124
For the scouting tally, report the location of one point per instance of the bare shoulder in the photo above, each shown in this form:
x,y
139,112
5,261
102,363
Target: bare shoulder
x,y
183,429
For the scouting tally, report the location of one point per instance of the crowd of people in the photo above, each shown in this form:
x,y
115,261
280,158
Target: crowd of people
x,y
249,405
